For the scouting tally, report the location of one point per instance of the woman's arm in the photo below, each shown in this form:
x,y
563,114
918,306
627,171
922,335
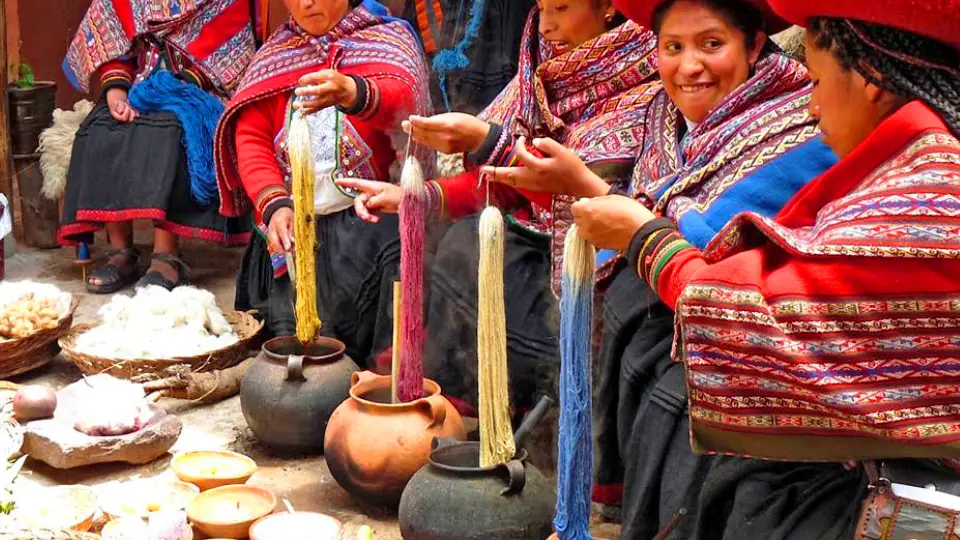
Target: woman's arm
x,y
257,127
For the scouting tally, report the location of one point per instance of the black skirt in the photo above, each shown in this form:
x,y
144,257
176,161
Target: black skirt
x,y
124,171
357,263
644,441
532,315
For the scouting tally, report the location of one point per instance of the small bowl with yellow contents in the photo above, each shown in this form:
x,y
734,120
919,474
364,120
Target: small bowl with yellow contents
x,y
140,498
229,511
208,469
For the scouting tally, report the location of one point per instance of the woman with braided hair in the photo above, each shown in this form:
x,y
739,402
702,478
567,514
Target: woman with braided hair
x,y
823,342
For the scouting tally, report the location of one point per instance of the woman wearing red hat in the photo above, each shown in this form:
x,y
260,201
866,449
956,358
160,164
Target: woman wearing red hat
x,y
830,333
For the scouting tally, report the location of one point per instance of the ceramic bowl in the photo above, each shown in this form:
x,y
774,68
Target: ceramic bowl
x,y
141,498
68,507
208,469
229,511
296,526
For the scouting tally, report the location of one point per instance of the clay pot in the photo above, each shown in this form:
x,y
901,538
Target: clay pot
x,y
373,447
454,498
290,391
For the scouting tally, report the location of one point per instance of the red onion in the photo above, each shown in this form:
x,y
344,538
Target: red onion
x,y
34,402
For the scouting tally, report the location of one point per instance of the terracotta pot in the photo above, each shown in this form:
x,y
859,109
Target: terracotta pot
x,y
290,391
373,447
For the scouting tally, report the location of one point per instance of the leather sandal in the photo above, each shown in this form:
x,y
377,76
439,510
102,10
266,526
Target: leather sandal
x,y
156,278
114,277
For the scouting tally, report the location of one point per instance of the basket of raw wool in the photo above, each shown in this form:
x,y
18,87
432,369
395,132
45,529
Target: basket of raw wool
x,y
157,332
33,316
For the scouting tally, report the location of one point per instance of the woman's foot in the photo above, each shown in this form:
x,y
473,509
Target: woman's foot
x,y
166,270
121,270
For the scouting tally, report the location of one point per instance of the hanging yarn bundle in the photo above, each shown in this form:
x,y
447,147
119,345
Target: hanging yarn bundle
x,y
496,432
300,149
413,207
575,459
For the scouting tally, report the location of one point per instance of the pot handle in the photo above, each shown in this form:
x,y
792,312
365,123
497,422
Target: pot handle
x,y
436,409
439,443
518,477
358,377
295,368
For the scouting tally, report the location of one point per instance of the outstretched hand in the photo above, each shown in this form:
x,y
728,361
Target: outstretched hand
x,y
374,197
609,222
450,133
326,88
559,171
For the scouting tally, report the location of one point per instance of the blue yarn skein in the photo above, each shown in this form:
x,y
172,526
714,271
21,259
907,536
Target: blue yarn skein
x,y
198,113
575,460
452,59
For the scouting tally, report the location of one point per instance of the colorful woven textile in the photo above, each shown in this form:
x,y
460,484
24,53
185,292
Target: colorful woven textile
x,y
219,36
831,332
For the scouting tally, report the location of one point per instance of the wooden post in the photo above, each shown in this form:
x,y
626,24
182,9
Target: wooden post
x,y
395,364
6,155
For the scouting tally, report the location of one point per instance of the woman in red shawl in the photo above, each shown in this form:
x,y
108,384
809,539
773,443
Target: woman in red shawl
x,y
358,72
831,332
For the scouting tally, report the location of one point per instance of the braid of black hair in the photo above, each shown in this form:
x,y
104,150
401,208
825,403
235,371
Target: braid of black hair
x,y
908,64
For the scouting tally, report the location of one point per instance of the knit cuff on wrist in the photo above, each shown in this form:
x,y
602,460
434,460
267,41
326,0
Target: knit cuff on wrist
x,y
363,92
643,234
271,207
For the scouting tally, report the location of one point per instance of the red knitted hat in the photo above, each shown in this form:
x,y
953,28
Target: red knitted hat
x,y
641,12
937,19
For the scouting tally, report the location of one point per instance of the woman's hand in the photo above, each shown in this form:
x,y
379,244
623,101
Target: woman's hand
x,y
326,88
280,231
120,108
374,197
450,133
610,222
559,171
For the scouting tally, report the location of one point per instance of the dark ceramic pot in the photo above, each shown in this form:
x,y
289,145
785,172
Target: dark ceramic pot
x,y
453,498
31,112
290,391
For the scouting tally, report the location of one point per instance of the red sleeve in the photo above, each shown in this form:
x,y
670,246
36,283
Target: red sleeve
x,y
118,72
676,274
459,196
389,98
257,127
466,194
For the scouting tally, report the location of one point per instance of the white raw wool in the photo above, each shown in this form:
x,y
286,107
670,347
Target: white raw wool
x,y
106,405
56,146
14,291
158,324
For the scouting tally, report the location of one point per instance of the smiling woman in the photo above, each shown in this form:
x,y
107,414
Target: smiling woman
x,y
707,49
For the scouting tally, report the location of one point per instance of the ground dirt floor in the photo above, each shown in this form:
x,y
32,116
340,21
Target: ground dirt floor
x,y
305,481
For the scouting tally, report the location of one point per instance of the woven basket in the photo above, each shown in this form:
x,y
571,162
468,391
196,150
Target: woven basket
x,y
14,532
22,355
245,325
